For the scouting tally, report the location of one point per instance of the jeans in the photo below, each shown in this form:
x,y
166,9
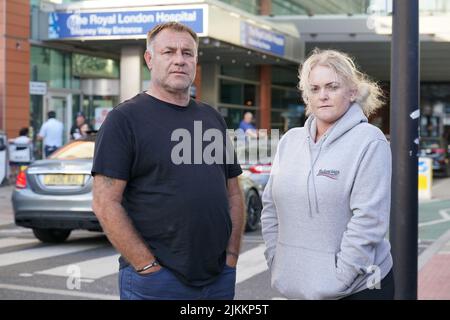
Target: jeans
x,y
163,285
49,150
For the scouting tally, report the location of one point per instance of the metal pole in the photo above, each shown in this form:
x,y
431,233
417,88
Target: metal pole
x,y
404,139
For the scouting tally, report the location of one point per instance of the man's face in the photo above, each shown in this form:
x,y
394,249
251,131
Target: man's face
x,y
248,117
172,61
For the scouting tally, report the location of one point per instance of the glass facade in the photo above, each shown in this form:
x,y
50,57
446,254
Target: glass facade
x,y
327,7
52,66
239,92
63,72
287,106
435,110
251,6
86,66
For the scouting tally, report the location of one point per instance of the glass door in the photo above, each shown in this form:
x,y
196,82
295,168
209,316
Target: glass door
x,y
62,105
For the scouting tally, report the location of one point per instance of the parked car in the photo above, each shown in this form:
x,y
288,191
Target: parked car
x,y
255,158
53,196
437,149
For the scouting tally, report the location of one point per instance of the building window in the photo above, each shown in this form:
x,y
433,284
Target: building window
x,y
51,66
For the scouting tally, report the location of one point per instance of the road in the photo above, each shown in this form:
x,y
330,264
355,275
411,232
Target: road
x,y
434,215
85,266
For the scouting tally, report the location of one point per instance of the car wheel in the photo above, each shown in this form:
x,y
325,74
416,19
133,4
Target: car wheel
x,y
51,235
254,207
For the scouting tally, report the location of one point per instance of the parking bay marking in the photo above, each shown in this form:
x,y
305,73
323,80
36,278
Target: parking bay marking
x,y
92,269
58,292
11,242
251,263
10,258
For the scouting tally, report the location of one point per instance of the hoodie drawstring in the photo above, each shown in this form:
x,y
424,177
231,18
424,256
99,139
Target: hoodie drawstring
x,y
311,172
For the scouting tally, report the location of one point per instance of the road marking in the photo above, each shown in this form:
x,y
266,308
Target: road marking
x,y
15,231
445,214
71,293
7,259
90,269
251,263
10,242
433,249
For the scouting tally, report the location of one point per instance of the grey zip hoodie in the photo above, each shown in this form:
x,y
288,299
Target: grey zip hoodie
x,y
326,209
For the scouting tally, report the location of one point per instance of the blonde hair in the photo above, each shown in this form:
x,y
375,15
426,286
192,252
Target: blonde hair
x,y
368,94
172,25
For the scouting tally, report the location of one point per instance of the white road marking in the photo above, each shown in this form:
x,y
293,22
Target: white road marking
x,y
445,214
90,269
251,263
15,231
71,293
7,259
10,242
25,275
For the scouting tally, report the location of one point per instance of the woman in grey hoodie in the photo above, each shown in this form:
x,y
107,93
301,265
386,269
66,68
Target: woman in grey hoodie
x,y
327,202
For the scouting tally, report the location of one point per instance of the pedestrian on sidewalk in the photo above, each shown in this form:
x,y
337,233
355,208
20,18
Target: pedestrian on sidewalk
x,y
176,225
327,202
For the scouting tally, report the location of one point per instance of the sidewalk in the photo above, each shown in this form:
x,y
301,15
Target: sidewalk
x,y
434,276
6,213
434,262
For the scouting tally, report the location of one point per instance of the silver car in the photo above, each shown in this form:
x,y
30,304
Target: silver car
x,y
256,157
53,196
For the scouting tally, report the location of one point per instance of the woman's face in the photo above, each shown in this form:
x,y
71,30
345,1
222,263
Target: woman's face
x,y
329,96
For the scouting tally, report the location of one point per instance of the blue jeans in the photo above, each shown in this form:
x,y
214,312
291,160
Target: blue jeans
x,y
163,285
48,150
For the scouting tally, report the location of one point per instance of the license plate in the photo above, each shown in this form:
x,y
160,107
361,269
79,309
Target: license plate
x,y
64,180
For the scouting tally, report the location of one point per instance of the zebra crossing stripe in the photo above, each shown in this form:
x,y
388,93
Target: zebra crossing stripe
x,y
251,263
7,259
11,242
89,269
70,293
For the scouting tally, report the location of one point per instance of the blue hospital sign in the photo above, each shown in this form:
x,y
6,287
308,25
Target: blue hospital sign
x,y
262,39
110,24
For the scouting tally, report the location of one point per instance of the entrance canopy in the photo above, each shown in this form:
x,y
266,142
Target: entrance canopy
x,y
227,35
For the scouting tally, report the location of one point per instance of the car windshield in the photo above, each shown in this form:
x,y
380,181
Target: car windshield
x,y
75,150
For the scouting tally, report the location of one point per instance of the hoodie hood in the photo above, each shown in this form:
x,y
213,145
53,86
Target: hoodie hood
x,y
351,118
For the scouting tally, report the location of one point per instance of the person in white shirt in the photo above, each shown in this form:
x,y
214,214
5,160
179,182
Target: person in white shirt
x,y
22,138
20,152
51,133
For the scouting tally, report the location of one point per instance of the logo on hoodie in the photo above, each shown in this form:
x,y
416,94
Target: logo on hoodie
x,y
332,174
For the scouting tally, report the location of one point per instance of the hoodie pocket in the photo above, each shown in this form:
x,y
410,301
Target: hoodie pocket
x,y
302,273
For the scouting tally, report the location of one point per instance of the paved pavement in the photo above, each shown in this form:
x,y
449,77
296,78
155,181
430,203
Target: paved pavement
x,y
434,234
5,205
